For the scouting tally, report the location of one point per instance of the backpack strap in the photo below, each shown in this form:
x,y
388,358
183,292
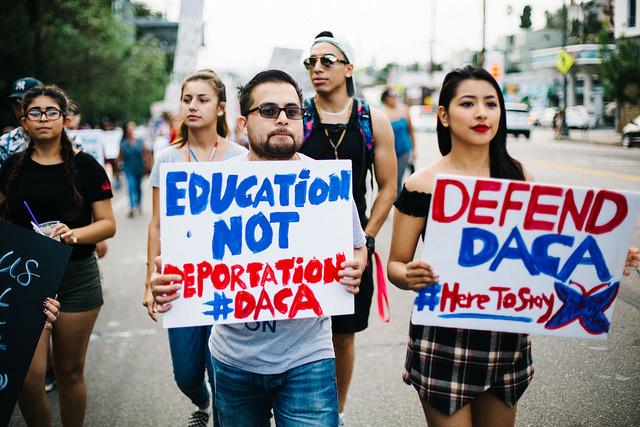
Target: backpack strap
x,y
365,126
307,118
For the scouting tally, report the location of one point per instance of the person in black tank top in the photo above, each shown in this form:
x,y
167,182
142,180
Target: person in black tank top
x,y
336,134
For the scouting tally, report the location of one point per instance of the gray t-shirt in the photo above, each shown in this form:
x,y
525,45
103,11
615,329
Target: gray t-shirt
x,y
274,347
171,154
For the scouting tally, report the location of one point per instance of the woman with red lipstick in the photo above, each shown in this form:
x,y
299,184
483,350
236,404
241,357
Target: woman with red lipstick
x,y
463,377
62,184
202,138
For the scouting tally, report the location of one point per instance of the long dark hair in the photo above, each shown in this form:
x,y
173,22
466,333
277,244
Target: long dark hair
x,y
66,151
501,164
219,88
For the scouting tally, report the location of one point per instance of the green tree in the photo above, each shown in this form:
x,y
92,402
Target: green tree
x,y
80,46
620,71
525,18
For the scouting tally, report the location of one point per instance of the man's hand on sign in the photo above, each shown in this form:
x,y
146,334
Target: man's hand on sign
x,y
633,260
352,270
420,275
51,308
164,287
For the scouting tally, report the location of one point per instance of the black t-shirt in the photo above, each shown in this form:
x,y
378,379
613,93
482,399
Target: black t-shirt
x,y
352,148
46,191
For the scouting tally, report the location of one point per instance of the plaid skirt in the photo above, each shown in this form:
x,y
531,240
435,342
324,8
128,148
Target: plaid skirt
x,y
451,367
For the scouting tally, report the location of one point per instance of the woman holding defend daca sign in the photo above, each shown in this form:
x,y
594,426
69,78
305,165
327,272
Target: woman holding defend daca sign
x,y
69,187
452,367
202,138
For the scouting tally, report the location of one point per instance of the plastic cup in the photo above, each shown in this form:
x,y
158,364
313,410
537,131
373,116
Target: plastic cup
x,y
47,228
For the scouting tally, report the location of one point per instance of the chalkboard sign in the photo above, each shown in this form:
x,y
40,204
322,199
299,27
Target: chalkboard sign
x,y
31,268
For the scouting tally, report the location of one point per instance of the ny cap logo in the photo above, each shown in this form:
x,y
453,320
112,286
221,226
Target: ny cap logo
x,y
20,85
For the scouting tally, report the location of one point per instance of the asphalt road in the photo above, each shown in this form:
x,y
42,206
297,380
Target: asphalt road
x,y
577,382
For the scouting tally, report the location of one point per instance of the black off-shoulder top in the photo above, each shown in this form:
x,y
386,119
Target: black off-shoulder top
x,y
414,203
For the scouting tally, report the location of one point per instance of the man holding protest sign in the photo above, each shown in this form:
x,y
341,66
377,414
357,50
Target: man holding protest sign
x,y
282,365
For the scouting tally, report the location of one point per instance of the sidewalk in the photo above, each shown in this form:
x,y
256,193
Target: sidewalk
x,y
595,136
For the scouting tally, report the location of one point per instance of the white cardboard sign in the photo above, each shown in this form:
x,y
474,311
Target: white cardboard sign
x,y
517,256
256,241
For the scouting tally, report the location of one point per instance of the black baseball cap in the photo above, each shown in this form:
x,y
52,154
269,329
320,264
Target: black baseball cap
x,y
22,85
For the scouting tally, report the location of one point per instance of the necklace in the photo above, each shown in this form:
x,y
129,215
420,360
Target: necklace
x,y
335,146
339,113
191,153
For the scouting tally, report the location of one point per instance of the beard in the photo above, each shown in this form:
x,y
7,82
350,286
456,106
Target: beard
x,y
280,144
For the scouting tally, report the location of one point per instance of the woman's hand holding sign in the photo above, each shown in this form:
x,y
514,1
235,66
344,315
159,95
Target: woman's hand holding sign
x,y
352,270
419,275
164,287
633,260
52,311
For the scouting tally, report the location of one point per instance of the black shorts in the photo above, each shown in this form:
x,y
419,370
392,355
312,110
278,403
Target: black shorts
x,y
359,320
80,289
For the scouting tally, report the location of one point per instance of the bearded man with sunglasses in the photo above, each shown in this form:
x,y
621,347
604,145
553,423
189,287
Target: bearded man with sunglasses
x,y
338,126
284,366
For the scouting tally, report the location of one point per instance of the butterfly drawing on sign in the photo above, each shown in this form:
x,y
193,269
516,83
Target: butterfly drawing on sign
x,y
587,307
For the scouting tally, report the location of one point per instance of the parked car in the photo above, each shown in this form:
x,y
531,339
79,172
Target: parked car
x,y
423,118
518,119
578,117
631,133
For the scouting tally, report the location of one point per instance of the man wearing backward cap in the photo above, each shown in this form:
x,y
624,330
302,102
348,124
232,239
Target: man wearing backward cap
x,y
340,126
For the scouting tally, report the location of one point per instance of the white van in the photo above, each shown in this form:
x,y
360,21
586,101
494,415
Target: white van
x,y
518,119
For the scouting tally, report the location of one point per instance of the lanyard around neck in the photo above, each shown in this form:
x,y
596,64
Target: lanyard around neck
x,y
191,153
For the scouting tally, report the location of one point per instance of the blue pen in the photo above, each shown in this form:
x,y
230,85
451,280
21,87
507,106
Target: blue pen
x,y
33,217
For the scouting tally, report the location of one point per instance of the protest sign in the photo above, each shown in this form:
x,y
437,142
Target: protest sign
x,y
31,267
256,241
523,257
92,143
111,142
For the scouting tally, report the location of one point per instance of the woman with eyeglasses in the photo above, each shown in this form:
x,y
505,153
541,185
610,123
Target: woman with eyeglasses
x,y
62,184
202,138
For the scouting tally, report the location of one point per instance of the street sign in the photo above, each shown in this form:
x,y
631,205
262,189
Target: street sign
x,y
564,61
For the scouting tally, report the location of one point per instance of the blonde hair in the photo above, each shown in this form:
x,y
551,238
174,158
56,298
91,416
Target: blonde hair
x,y
214,80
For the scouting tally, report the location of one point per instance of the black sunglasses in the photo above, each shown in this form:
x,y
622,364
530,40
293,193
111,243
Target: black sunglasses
x,y
272,111
327,61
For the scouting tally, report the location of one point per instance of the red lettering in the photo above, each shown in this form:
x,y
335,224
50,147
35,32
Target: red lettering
x,y
499,290
477,202
313,271
548,300
331,270
540,208
236,272
451,296
172,269
304,300
569,208
245,303
621,212
297,272
284,266
279,299
510,204
253,268
268,276
264,302
204,271
439,196
188,289
220,276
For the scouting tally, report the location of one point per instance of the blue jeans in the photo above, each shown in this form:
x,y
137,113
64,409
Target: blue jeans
x,y
134,185
303,396
190,358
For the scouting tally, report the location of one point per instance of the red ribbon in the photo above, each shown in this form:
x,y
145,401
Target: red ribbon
x,y
383,298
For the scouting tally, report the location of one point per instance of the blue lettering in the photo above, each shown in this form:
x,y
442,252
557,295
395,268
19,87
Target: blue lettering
x,y
219,202
243,199
284,182
264,194
519,252
284,219
596,259
198,193
467,256
175,194
540,251
230,237
301,188
266,236
318,191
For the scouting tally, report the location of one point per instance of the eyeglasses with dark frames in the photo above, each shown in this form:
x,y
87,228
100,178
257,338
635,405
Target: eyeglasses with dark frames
x,y
272,111
37,114
327,61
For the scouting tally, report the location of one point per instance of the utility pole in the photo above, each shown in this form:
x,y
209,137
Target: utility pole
x,y
484,34
564,130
